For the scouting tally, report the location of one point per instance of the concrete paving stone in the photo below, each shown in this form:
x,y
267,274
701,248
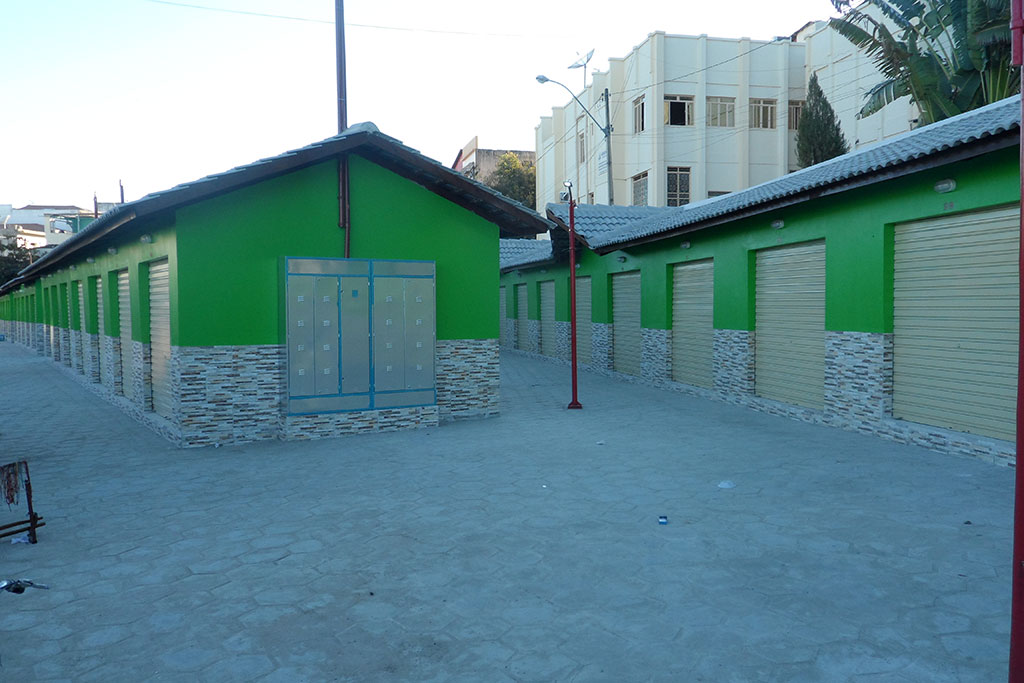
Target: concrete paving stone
x,y
236,668
462,531
541,665
262,616
188,658
107,635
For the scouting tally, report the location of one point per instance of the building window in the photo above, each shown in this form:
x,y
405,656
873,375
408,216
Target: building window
x,y
678,110
590,198
795,108
638,115
762,113
716,193
722,112
581,147
640,189
678,185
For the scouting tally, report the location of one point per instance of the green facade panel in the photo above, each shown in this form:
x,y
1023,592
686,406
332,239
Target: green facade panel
x,y
857,226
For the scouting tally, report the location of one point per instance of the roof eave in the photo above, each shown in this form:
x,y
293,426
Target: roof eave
x,y
976,148
554,218
453,186
532,264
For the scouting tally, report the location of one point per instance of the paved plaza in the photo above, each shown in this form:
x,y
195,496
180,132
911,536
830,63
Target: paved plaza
x,y
522,548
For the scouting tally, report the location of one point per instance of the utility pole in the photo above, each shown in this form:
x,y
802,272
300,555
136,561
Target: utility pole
x,y
606,129
608,145
344,218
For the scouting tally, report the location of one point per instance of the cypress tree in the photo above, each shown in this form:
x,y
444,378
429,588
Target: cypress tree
x,y
818,136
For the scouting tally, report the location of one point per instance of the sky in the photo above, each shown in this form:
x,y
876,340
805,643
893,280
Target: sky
x,y
154,93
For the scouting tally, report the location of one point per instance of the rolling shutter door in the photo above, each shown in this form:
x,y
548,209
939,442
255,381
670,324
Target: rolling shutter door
x,y
548,337
160,337
522,326
100,327
626,336
584,328
502,308
790,335
955,322
81,326
124,316
693,332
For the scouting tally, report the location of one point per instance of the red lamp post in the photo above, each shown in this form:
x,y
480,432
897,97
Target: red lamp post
x,y
575,403
1017,603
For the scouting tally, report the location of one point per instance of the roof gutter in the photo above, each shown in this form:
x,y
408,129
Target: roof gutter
x,y
962,152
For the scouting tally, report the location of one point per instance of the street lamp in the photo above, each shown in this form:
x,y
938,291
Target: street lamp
x,y
575,403
606,129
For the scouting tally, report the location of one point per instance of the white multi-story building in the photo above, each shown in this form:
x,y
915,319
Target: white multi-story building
x,y
695,117
845,74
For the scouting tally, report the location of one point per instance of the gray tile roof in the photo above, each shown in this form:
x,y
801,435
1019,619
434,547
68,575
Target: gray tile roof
x,y
365,137
515,253
958,131
596,222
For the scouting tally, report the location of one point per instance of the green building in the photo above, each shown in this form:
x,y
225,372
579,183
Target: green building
x,y
877,291
234,308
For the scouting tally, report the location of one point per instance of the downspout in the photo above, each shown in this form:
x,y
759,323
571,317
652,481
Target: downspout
x,y
344,217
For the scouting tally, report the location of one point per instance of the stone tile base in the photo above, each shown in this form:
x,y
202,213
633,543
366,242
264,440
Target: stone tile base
x,y
656,355
110,348
734,362
532,336
358,422
91,356
64,346
227,394
39,338
510,326
139,388
468,378
601,346
858,377
76,349
563,331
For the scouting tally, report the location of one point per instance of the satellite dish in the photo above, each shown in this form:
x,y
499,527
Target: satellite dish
x,y
581,63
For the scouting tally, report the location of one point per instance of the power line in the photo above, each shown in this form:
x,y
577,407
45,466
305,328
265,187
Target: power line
x,y
309,20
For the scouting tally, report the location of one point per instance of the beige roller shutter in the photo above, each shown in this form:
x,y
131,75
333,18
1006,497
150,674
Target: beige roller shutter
x,y
955,322
124,316
548,336
626,337
693,332
81,326
584,326
160,337
100,327
502,308
790,332
523,332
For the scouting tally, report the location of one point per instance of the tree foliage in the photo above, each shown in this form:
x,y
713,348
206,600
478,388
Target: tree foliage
x,y
818,135
14,256
949,56
514,179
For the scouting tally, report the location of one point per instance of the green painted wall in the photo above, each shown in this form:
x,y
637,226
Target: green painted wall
x,y
230,248
857,227
394,218
233,246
